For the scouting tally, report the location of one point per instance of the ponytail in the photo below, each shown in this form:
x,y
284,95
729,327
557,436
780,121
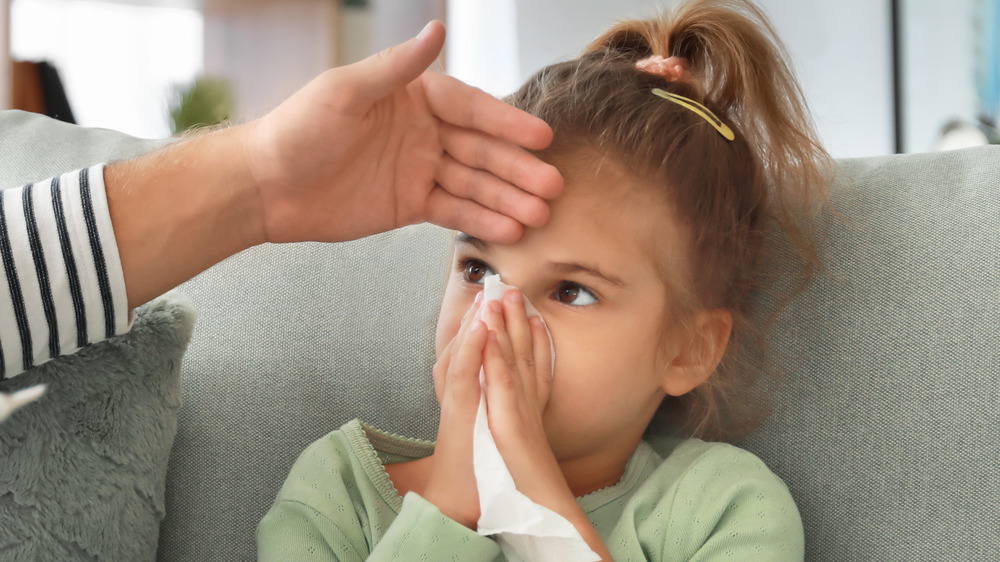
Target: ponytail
x,y
739,68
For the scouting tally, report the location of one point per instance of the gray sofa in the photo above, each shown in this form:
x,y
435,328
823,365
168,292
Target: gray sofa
x,y
886,429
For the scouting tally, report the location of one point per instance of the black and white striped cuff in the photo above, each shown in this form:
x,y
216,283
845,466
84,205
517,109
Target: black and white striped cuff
x,y
63,286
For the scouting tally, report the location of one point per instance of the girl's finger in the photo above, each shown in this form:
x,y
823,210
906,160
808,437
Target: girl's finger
x,y
501,389
450,351
441,369
519,332
473,310
444,359
543,360
463,327
497,324
462,379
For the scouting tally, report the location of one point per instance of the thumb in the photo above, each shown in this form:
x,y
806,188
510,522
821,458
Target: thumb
x,y
387,71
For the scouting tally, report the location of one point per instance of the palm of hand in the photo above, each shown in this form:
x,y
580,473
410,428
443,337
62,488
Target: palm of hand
x,y
345,167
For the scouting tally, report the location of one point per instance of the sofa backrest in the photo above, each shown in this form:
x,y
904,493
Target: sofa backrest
x,y
291,342
886,430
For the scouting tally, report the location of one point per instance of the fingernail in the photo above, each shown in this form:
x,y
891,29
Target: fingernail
x,y
536,321
516,297
476,326
479,298
423,32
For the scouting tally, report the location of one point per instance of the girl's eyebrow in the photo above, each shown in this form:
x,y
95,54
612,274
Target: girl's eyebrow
x,y
587,269
561,267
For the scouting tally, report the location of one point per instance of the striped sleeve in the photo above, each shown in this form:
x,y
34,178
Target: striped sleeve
x,y
62,285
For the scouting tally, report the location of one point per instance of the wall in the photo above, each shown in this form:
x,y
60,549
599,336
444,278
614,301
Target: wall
x,y
938,68
841,50
4,54
268,50
395,21
119,62
845,66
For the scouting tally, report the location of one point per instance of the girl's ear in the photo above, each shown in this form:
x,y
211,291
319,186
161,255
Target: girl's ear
x,y
700,354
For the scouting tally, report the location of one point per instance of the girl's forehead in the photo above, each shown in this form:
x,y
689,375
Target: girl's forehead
x,y
604,195
616,221
612,208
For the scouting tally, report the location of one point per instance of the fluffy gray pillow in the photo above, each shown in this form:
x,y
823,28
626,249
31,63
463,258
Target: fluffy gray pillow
x,y
82,470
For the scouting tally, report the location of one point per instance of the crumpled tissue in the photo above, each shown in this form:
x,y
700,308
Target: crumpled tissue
x,y
524,529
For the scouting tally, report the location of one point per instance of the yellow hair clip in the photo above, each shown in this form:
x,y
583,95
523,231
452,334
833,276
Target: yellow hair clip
x,y
701,110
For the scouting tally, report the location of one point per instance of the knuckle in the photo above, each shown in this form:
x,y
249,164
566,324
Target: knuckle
x,y
512,367
385,54
469,116
507,382
499,201
482,154
519,162
439,370
473,179
528,362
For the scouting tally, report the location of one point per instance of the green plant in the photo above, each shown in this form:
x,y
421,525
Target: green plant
x,y
205,102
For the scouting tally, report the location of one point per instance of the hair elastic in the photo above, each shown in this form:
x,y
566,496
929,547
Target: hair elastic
x,y
701,110
672,69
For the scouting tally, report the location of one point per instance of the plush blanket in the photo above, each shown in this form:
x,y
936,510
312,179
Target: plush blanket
x,y
83,469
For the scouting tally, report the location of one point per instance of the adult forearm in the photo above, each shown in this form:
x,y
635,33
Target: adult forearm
x,y
178,211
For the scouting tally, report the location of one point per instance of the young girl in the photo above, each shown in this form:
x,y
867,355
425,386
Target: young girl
x,y
680,140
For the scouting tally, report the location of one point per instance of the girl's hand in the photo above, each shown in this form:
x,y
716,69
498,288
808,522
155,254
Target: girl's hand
x,y
451,485
517,361
518,365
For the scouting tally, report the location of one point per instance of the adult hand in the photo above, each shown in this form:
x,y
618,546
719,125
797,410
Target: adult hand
x,y
384,143
362,149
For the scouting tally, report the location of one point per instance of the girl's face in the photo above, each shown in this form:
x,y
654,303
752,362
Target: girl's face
x,y
592,278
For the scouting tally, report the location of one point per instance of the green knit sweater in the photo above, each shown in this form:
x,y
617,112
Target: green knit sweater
x,y
704,501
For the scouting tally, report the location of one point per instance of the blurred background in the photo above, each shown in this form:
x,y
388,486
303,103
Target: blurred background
x,y
881,76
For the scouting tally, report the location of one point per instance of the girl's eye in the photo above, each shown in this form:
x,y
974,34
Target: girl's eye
x,y
474,271
574,294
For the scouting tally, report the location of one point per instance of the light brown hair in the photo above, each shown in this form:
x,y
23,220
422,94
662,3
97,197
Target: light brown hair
x,y
726,194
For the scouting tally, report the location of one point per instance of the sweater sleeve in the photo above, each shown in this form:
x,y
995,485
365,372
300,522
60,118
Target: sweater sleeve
x,y
727,505
295,531
328,509
422,532
63,286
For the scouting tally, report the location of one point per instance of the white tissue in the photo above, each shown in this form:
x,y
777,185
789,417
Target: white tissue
x,y
11,402
524,529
